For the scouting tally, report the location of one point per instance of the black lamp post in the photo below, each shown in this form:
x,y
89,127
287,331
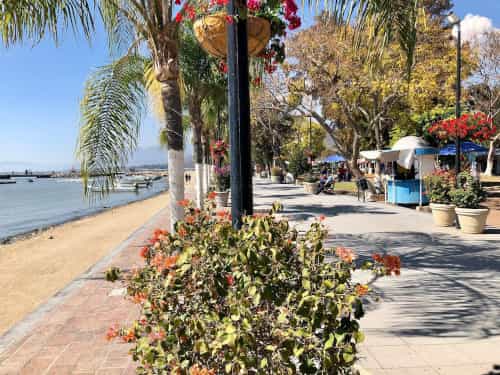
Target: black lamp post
x,y
239,114
455,21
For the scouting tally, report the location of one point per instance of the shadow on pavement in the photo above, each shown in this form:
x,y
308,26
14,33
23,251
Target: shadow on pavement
x,y
448,287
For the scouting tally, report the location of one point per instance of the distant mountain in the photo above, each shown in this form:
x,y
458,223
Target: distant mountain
x,y
157,155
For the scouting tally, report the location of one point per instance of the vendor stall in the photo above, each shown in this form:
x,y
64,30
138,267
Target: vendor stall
x,y
412,159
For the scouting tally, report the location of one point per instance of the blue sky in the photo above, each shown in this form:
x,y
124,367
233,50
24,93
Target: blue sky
x,y
41,86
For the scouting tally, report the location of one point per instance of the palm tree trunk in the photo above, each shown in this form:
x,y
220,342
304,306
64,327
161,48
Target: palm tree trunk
x,y
197,125
171,98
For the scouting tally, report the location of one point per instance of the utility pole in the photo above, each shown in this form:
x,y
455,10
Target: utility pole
x,y
239,114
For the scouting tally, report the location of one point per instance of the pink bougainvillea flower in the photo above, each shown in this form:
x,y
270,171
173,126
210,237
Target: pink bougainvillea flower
x,y
253,5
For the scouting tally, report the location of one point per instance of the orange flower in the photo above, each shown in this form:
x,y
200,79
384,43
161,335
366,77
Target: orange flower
x,y
322,217
361,290
196,370
184,203
170,261
130,336
189,219
157,261
112,332
139,297
144,252
347,255
377,257
212,195
392,264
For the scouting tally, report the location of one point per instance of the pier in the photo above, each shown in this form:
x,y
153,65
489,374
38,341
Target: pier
x,y
7,176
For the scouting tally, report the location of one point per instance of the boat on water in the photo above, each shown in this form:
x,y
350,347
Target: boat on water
x,y
118,188
140,181
7,182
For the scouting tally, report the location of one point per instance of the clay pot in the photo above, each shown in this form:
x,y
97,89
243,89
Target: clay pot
x,y
472,220
211,32
443,214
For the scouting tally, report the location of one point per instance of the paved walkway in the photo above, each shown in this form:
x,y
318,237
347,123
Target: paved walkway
x,y
442,315
67,334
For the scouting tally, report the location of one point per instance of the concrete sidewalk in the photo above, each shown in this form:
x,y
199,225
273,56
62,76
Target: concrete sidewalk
x,y
442,315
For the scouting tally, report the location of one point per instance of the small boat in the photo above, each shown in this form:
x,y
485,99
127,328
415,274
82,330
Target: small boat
x,y
139,181
119,188
6,182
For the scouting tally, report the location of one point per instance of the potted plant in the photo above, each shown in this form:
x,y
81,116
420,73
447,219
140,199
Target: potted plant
x,y
311,183
467,198
438,187
222,184
276,175
267,23
298,164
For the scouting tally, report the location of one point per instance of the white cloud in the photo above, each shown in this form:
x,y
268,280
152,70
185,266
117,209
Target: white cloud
x,y
473,26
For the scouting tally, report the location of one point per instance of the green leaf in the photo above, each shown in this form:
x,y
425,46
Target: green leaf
x,y
329,343
263,363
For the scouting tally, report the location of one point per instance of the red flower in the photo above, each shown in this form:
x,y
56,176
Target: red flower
x,y
361,290
229,280
377,257
223,66
229,19
322,217
144,252
212,195
253,5
112,332
179,17
347,255
294,22
189,219
184,203
177,2
130,336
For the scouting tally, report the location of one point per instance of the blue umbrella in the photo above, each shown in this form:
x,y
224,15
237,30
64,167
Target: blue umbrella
x,y
465,147
333,159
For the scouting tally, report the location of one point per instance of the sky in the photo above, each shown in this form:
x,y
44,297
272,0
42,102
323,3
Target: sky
x,y
41,87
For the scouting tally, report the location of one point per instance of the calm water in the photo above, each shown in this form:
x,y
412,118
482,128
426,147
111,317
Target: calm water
x,y
25,206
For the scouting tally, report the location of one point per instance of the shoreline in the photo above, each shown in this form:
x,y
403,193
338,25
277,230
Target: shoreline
x,y
11,239
34,269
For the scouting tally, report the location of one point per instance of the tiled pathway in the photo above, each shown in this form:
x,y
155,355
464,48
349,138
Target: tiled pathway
x,y
67,335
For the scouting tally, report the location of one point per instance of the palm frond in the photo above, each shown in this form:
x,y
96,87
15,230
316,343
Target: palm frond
x,y
111,112
31,20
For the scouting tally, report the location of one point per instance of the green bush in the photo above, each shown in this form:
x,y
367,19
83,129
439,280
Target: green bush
x,y
298,163
261,300
438,186
309,177
469,193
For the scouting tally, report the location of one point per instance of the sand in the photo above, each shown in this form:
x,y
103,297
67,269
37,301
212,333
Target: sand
x,y
34,269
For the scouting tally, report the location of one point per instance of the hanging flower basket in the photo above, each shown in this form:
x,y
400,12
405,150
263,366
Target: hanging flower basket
x,y
211,32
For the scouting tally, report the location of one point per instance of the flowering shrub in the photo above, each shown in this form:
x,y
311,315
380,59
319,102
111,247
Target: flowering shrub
x,y
219,151
281,14
438,186
469,193
476,127
261,300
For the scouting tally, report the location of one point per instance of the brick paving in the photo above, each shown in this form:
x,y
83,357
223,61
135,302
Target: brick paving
x,y
70,338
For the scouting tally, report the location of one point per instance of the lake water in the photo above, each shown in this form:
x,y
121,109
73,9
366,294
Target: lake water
x,y
26,206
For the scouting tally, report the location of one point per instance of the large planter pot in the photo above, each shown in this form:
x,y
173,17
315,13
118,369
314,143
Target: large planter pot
x,y
221,198
443,214
211,32
311,187
472,220
276,179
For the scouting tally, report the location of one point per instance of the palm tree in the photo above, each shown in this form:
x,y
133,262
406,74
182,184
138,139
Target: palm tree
x,y
113,102
201,80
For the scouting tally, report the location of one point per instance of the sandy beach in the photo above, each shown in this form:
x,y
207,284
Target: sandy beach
x,y
35,268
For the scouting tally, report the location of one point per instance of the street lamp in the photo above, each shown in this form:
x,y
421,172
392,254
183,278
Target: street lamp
x,y
239,115
454,20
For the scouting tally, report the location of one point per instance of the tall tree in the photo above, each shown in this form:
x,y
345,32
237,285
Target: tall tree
x,y
201,79
485,89
113,101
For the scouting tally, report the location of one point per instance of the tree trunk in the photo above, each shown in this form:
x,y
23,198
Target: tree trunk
x,y
353,161
491,156
197,125
167,75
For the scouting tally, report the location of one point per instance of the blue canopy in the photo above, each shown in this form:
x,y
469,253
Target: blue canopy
x,y
465,147
333,159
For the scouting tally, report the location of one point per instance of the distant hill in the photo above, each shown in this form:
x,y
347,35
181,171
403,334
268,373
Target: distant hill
x,y
156,155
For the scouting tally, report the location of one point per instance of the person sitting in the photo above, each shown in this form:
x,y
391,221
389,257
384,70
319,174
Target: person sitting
x,y
325,182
